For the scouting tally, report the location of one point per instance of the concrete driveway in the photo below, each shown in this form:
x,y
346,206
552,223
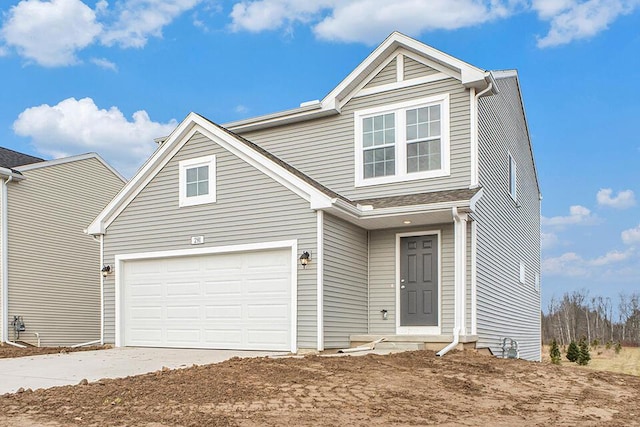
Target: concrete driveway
x,y
68,369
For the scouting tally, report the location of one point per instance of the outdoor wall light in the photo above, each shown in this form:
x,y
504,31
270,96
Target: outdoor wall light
x,y
305,259
385,314
106,270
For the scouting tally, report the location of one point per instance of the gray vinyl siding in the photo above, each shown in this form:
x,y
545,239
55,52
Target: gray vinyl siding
x,y
413,69
345,281
2,315
382,277
507,234
250,208
328,143
54,267
387,75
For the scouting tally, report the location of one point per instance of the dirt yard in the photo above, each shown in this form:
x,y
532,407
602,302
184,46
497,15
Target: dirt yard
x,y
412,388
11,351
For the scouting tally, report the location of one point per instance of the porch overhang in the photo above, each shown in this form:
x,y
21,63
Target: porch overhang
x,y
409,210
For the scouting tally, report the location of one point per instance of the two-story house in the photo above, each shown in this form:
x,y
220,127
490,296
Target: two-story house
x,y
49,280
404,205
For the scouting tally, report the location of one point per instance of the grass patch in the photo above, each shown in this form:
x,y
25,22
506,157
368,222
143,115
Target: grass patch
x,y
626,362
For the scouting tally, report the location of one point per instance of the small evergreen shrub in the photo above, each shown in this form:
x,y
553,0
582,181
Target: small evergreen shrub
x,y
618,347
573,352
584,356
555,354
608,345
595,343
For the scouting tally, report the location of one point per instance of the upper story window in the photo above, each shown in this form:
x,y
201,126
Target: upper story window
x,y
512,177
402,142
197,181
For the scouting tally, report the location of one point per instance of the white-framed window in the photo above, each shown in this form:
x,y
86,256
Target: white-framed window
x,y
402,142
513,188
522,273
197,181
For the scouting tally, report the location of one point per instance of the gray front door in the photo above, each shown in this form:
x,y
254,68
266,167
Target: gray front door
x,y
419,281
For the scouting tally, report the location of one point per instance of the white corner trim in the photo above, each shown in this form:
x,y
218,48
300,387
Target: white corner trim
x,y
319,261
418,330
474,278
120,259
183,167
4,259
99,268
460,274
473,126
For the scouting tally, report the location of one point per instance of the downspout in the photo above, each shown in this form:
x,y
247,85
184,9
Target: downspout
x,y
475,166
5,263
458,289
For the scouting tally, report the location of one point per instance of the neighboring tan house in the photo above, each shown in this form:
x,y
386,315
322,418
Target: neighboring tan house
x,y
409,191
49,274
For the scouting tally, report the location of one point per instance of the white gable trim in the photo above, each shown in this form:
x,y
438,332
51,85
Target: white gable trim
x,y
70,159
190,125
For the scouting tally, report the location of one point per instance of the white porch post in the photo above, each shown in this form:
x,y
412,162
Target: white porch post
x,y
460,271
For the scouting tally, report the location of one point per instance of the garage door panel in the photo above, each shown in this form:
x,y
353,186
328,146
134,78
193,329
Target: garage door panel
x,y
226,301
223,312
191,288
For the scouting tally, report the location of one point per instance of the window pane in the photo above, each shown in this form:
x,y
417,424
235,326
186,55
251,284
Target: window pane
x,y
192,175
389,121
368,156
379,169
423,163
378,137
434,147
378,156
423,130
367,139
390,167
390,153
378,123
412,117
368,170
192,189
412,150
203,173
203,188
412,132
412,164
367,124
389,136
434,128
435,162
423,115
434,112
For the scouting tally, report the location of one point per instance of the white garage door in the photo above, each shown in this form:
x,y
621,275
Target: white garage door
x,y
223,301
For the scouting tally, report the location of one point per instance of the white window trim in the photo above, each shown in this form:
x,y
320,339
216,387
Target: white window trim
x,y
512,168
401,174
193,163
523,274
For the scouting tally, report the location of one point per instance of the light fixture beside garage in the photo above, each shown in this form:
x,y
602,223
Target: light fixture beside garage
x,y
106,270
305,259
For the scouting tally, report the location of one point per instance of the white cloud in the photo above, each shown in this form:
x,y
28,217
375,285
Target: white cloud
x,y
140,19
3,51
50,32
548,240
104,63
241,109
79,126
624,199
571,264
631,236
578,215
578,19
368,21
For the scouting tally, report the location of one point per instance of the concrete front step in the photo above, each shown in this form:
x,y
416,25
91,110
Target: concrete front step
x,y
400,346
413,342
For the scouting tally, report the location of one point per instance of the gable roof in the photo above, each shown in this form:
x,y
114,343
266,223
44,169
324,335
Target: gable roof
x,y
467,74
318,196
63,160
11,159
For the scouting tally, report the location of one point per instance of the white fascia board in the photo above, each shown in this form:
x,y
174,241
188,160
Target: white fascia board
x,y
366,212
185,130
70,159
6,173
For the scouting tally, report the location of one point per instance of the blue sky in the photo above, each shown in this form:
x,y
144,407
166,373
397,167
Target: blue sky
x,y
79,76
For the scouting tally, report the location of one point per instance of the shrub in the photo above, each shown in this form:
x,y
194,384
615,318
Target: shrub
x,y
573,352
583,356
555,353
618,347
608,345
595,343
